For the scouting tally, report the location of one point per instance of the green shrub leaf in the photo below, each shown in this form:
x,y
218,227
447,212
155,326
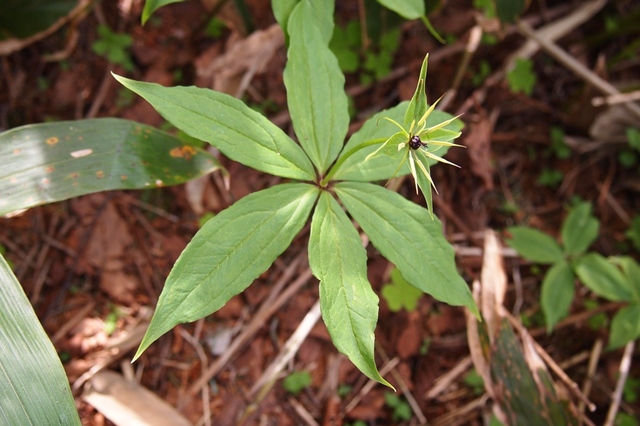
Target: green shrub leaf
x,y
631,270
348,304
34,389
406,235
625,326
579,230
225,122
315,90
602,277
408,9
151,6
228,253
557,293
534,245
50,162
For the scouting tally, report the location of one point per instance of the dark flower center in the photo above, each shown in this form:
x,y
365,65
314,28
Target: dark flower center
x,y
416,143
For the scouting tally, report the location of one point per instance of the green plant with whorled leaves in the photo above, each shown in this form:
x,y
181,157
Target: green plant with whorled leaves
x,y
325,176
615,278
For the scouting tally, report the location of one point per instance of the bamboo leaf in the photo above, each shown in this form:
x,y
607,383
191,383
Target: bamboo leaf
x,y
56,161
34,389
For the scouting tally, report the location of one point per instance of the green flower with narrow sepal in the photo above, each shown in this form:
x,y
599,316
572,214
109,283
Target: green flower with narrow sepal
x,y
420,142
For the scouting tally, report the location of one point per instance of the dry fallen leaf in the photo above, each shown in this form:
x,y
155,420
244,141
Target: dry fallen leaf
x,y
128,404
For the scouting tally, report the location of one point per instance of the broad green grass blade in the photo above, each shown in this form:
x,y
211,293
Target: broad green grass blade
x,y
407,236
315,90
579,230
229,253
534,245
225,122
381,167
408,9
48,162
557,293
349,305
151,6
602,277
34,389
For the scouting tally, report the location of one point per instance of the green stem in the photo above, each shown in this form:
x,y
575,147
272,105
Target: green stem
x,y
342,159
431,29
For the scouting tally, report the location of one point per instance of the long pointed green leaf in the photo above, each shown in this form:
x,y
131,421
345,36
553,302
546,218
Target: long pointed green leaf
x,y
382,167
239,132
603,277
579,230
534,245
315,89
557,293
407,236
48,162
34,389
229,253
349,305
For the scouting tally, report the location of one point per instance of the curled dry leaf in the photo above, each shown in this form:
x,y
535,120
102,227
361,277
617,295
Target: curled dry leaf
x,y
233,71
514,374
478,143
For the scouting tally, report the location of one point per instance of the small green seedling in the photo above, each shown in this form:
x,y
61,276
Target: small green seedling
x,y
401,408
295,382
114,47
579,231
615,278
474,381
633,232
400,294
559,147
550,178
521,78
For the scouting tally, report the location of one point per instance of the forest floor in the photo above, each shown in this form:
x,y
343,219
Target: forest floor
x,y
94,266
